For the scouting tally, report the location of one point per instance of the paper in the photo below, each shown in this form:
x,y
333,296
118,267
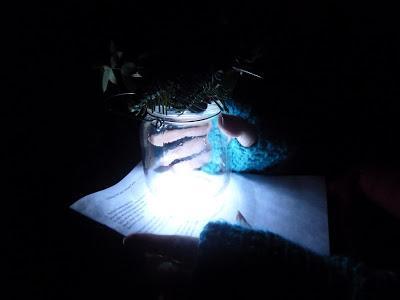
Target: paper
x,y
294,207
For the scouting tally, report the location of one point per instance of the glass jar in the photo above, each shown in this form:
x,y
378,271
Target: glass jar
x,y
185,158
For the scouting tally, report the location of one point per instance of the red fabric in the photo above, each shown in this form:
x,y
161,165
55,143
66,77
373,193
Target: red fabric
x,y
382,186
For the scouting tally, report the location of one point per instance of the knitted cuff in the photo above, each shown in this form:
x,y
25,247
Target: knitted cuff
x,y
261,155
236,262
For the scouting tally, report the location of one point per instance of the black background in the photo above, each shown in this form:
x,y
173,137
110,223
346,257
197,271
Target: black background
x,y
330,77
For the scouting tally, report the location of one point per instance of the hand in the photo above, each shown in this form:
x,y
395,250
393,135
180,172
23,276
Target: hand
x,y
188,147
169,259
194,150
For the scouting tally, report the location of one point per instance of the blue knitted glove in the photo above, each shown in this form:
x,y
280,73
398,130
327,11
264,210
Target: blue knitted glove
x,y
261,155
240,263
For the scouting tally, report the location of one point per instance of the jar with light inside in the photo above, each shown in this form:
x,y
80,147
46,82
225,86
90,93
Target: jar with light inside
x,y
184,156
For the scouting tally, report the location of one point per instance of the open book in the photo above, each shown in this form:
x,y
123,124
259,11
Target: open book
x,y
294,207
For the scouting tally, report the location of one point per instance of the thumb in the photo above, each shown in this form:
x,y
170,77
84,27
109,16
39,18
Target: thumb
x,y
238,128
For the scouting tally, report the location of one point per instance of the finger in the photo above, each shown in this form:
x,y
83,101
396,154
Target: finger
x,y
181,248
239,128
193,163
230,125
188,148
169,136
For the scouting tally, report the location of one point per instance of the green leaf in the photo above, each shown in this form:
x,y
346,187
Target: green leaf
x,y
108,75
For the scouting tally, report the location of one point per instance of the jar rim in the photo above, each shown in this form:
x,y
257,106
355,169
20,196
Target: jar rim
x,y
186,116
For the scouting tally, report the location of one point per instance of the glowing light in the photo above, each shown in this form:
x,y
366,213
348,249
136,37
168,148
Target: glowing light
x,y
191,195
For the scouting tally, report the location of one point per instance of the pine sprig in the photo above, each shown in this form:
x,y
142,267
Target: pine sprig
x,y
132,93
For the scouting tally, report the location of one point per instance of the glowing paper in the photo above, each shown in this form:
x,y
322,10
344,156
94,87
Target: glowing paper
x,y
294,207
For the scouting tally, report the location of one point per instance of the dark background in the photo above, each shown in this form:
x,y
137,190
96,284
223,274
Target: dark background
x,y
330,86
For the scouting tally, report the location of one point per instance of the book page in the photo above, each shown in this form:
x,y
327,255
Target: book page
x,y
294,207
